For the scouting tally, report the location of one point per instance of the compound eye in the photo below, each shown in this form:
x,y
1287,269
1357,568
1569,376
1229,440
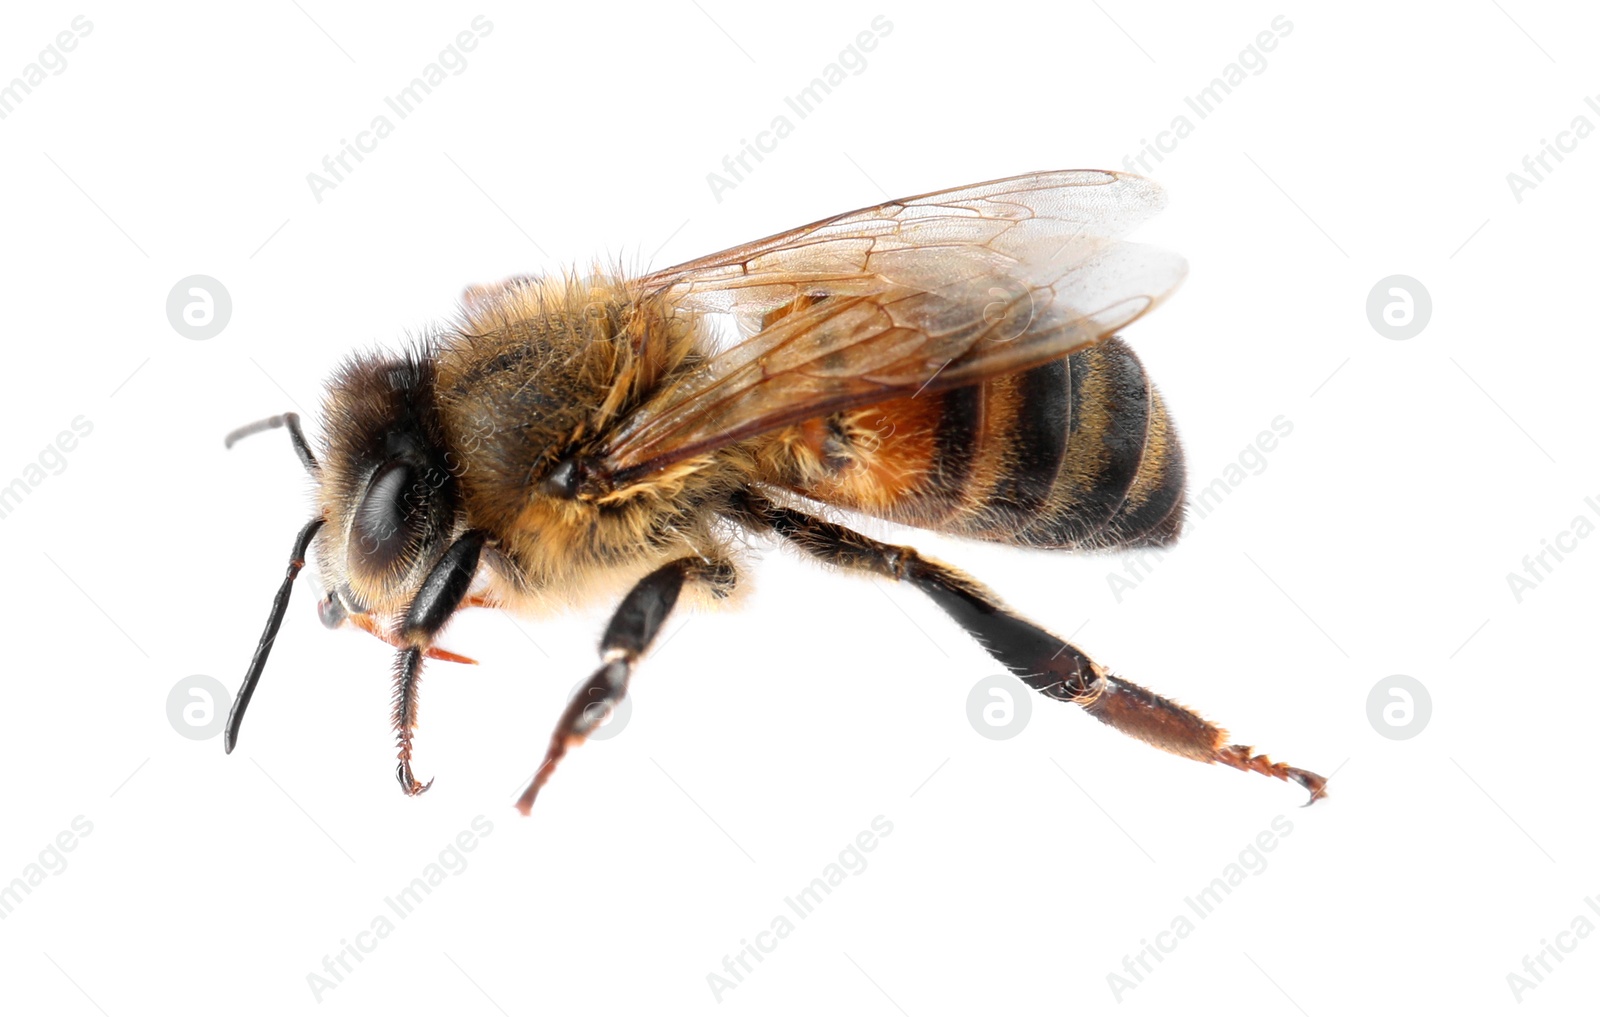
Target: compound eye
x,y
385,524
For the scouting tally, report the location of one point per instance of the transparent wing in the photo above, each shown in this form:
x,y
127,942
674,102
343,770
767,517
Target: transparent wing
x,y
917,295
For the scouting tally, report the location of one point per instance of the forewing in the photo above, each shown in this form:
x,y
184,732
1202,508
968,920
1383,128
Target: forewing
x,y
920,294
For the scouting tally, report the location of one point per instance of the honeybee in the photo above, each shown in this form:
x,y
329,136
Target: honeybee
x,y
947,362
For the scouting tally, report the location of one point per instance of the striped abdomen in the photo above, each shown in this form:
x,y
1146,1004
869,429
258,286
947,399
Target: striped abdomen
x,y
1077,453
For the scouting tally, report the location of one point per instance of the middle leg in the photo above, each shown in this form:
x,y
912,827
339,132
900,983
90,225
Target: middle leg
x,y
633,628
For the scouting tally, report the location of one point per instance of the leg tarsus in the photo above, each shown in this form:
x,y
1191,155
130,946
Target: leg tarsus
x,y
408,782
1156,720
1240,756
408,672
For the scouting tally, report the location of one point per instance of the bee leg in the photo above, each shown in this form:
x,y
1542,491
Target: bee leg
x,y
631,631
1045,662
441,595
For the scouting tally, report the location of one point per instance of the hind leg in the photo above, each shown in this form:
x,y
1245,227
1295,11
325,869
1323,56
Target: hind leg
x,y
1047,663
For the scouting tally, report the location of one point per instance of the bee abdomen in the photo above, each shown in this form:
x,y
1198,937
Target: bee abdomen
x,y
1024,446
1122,480
1152,513
1076,453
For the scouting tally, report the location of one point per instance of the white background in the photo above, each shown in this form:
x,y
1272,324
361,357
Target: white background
x,y
1376,541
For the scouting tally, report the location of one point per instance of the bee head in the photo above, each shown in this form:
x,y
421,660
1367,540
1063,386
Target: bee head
x,y
389,497
388,502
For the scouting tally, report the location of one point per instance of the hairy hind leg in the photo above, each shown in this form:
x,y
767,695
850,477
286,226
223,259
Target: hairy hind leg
x,y
1047,663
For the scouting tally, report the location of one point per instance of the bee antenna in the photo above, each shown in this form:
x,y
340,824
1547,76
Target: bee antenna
x,y
280,604
290,420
